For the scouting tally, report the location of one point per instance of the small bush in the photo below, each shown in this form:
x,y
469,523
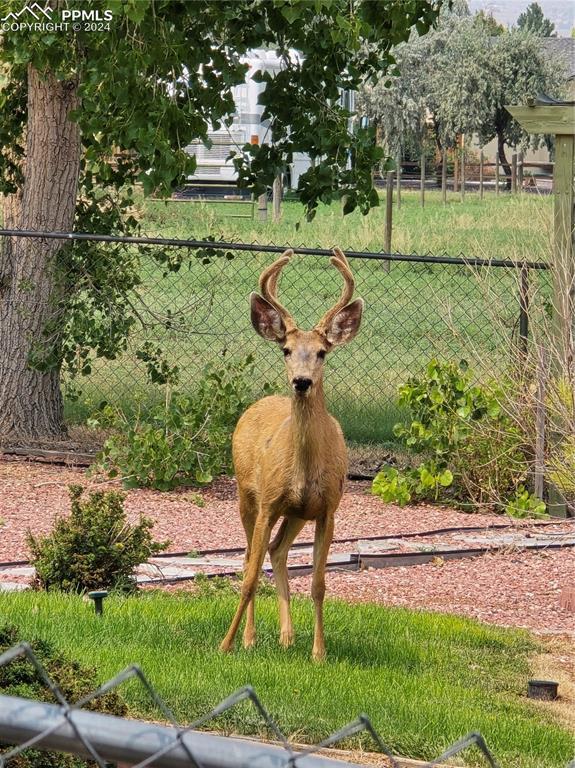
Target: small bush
x,y
94,548
184,441
472,452
20,678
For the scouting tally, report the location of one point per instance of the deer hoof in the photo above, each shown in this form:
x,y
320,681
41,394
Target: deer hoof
x,y
318,654
225,646
249,641
286,638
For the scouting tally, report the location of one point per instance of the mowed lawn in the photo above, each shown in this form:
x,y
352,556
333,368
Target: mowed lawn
x,y
413,311
424,679
505,226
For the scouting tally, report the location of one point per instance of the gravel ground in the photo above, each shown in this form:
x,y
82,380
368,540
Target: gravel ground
x,y
515,588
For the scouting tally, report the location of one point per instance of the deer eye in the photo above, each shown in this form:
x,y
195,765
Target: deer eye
x,y
286,351
321,354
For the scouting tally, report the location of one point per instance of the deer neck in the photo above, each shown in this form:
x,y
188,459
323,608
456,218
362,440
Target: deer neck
x,y
309,415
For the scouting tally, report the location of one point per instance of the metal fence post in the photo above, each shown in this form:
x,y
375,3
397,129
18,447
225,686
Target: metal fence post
x,y
524,311
481,175
388,215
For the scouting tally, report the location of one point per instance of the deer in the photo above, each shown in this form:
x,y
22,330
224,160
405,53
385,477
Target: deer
x,y
289,453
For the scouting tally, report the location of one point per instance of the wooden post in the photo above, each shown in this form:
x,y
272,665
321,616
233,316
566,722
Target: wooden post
x,y
277,197
462,174
388,213
263,207
520,172
564,257
481,175
422,180
444,176
455,169
514,173
496,174
558,119
398,180
539,464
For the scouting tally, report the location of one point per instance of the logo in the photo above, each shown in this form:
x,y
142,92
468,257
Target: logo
x,y
34,18
34,10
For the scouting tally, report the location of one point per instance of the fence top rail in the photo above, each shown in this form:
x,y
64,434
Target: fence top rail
x,y
135,741
273,248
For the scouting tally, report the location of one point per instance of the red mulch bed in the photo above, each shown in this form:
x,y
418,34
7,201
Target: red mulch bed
x,y
515,588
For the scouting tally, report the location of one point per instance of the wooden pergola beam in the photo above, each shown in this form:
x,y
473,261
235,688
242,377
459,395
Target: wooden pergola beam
x,y
545,118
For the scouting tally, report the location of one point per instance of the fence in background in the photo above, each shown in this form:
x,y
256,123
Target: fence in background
x,y
464,174
192,300
68,727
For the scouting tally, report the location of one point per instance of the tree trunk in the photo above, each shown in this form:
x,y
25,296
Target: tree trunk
x,y
31,404
503,160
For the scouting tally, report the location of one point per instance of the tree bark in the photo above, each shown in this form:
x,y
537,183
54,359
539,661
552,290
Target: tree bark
x,y
31,404
503,160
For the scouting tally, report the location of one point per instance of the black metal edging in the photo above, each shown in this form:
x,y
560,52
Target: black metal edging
x,y
346,540
254,247
384,537
359,562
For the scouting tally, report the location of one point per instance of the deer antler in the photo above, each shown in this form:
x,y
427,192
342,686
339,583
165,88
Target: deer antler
x,y
268,286
340,262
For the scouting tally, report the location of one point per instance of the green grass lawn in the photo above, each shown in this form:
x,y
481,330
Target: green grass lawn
x,y
515,227
424,679
413,312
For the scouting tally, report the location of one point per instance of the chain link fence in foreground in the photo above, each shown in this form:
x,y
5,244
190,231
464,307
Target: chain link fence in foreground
x,y
191,300
68,727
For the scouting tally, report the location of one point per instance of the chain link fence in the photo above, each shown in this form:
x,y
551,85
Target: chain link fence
x,y
191,300
106,740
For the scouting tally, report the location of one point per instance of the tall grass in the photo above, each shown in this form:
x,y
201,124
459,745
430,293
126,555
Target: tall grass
x,y
424,679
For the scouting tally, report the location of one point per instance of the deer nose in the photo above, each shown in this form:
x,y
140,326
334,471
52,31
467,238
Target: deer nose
x,y
302,385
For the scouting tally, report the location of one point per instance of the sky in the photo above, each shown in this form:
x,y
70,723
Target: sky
x,y
560,12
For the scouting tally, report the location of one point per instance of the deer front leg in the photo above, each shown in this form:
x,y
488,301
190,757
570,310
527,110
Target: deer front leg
x,y
259,545
248,513
279,549
323,536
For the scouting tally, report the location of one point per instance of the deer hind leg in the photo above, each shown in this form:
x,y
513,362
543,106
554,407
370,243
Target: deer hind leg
x,y
248,512
278,550
259,545
323,536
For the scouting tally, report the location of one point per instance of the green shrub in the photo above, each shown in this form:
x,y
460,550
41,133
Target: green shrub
x,y
94,548
184,441
20,678
471,451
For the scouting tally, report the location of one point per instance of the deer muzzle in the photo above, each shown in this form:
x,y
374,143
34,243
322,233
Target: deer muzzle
x,y
301,385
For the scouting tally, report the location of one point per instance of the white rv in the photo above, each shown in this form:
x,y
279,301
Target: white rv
x,y
212,166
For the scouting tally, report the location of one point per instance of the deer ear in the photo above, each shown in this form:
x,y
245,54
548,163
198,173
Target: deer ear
x,y
345,324
266,319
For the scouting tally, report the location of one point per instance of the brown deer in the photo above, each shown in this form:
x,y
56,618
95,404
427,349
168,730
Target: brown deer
x,y
289,453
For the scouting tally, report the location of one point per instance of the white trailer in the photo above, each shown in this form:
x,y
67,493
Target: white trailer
x,y
247,127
